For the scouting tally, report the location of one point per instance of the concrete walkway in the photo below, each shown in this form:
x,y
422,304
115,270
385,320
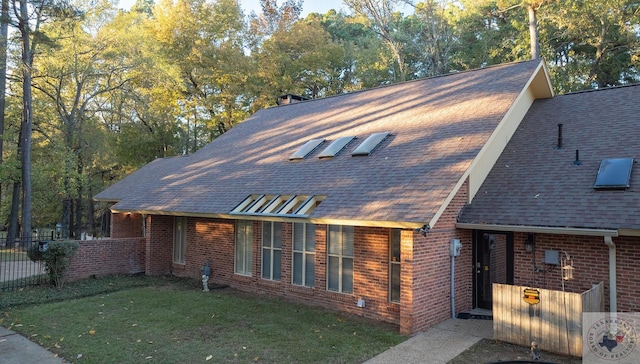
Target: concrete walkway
x,y
439,344
16,349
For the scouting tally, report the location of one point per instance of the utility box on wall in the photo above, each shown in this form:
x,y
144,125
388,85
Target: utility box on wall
x,y
455,247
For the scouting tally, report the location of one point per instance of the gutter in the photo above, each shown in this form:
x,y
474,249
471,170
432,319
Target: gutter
x,y
539,229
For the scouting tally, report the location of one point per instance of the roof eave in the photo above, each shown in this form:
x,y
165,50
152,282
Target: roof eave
x,y
283,218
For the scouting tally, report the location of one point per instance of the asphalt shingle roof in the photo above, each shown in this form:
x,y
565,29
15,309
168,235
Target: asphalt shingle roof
x,y
534,183
437,125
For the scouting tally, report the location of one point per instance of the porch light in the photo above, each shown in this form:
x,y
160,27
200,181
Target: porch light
x,y
567,267
530,243
58,230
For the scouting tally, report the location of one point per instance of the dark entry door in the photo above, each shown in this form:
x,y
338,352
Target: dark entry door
x,y
493,263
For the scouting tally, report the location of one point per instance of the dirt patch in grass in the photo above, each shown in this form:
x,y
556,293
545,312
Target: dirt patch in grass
x,y
493,351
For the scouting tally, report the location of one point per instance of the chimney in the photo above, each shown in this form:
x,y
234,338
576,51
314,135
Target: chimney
x,y
291,99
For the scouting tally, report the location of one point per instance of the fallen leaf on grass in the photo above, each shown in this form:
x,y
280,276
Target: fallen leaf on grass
x,y
149,357
209,357
57,345
92,332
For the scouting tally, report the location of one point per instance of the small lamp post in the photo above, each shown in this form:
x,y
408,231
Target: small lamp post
x,y
58,230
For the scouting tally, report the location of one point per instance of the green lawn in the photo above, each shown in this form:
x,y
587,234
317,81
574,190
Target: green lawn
x,y
172,321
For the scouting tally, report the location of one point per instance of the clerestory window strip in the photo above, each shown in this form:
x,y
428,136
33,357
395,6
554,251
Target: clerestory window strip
x,y
278,205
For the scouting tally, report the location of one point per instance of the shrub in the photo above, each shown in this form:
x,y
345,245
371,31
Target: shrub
x,y
34,253
56,259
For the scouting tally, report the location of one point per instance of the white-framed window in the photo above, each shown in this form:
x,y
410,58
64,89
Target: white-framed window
x,y
271,250
244,247
394,265
304,254
179,239
340,241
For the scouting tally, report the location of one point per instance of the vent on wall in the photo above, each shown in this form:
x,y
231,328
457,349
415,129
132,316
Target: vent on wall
x,y
614,173
369,144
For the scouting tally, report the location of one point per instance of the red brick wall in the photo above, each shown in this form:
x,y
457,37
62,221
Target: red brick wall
x,y
105,257
213,240
429,270
159,249
126,226
590,260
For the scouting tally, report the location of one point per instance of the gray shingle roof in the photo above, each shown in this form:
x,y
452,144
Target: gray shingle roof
x,y
437,127
536,184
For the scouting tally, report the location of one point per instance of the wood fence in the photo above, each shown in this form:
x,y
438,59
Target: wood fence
x,y
555,322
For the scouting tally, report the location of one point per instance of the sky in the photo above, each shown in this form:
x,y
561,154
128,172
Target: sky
x,y
309,6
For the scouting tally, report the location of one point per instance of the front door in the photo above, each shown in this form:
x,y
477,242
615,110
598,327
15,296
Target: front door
x,y
493,263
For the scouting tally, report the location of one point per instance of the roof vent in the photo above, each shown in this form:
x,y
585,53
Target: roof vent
x,y
614,173
559,136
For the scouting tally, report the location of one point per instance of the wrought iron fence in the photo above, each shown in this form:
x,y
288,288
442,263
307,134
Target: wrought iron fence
x,y
17,270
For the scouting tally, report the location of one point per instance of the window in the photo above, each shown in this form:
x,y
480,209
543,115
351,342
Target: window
x,y
340,259
307,148
369,144
304,254
335,147
394,265
179,239
271,250
244,247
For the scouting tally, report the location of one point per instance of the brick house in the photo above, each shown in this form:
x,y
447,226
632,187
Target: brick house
x,y
353,202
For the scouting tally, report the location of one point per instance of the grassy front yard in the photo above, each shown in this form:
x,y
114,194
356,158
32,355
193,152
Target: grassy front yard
x,y
170,321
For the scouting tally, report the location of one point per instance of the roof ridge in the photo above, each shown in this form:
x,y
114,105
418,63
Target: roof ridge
x,y
411,81
600,89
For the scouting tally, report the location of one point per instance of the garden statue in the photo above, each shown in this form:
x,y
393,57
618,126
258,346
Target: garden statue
x,y
206,272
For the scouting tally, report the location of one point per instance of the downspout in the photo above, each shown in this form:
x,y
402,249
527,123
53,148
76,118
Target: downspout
x,y
613,301
453,290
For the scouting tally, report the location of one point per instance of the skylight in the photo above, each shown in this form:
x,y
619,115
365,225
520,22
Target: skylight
x,y
307,148
278,205
335,147
369,144
614,173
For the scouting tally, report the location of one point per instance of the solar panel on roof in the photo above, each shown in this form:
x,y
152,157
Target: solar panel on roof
x,y
370,143
335,147
614,173
307,148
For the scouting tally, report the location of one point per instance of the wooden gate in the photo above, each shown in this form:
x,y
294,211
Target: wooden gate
x,y
554,322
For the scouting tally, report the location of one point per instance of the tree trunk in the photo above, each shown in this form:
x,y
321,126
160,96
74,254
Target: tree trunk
x,y
12,233
4,33
27,120
533,32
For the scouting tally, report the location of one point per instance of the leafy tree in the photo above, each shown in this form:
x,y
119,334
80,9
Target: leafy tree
x,y
302,60
593,43
382,18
